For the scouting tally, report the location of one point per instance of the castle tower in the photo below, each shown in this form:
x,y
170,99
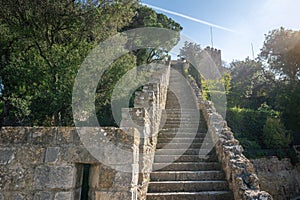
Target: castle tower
x,y
215,55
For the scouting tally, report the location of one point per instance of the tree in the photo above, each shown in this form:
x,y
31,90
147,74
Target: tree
x,y
147,17
281,53
248,84
43,44
144,17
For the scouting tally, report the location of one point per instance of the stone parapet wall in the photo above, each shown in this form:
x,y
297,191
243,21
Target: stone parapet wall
x,y
146,115
47,163
279,177
239,171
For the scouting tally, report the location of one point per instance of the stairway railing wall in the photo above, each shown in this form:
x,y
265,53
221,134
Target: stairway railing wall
x,y
146,116
239,171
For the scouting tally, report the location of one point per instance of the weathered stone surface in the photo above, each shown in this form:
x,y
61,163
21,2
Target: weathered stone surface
x,y
30,155
55,177
43,135
64,196
43,196
121,181
102,177
47,162
285,177
6,156
14,135
52,154
67,135
239,171
111,195
18,197
78,154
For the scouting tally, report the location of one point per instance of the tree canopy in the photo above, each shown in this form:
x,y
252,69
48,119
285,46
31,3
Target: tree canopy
x,y
43,44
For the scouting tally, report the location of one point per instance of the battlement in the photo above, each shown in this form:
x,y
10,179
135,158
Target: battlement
x,y
215,55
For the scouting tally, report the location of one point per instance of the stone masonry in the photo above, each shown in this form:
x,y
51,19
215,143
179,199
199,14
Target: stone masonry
x,y
47,162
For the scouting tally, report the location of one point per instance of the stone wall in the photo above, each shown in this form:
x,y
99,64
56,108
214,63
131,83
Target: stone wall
x,y
278,177
47,163
146,115
239,171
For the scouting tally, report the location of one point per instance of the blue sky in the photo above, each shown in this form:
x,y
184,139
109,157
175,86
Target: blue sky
x,y
247,21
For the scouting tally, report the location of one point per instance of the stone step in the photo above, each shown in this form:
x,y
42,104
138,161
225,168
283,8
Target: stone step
x,y
185,158
181,140
184,110
187,175
180,151
182,131
188,119
187,166
181,145
185,127
182,125
187,111
183,122
206,195
187,186
184,118
180,135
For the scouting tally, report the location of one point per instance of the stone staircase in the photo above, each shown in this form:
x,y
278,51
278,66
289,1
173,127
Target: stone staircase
x,y
181,168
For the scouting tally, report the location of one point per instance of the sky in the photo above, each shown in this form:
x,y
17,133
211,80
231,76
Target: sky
x,y
236,24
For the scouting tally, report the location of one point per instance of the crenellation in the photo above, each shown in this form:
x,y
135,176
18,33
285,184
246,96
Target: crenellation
x,y
215,55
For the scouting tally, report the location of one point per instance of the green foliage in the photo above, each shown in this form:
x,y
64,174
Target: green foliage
x,y
191,52
205,90
147,17
248,85
275,135
248,123
42,45
106,86
281,53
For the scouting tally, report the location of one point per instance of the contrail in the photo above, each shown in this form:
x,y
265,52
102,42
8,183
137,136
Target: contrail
x,y
190,18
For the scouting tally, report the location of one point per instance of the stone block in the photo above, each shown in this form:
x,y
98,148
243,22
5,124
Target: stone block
x,y
55,177
67,135
43,135
122,181
30,154
102,177
78,154
18,196
1,196
7,155
77,194
43,196
111,195
64,196
52,154
14,135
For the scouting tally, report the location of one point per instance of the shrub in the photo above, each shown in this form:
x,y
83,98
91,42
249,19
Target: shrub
x,y
275,134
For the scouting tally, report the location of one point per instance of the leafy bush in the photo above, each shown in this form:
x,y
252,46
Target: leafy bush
x,y
275,134
248,124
